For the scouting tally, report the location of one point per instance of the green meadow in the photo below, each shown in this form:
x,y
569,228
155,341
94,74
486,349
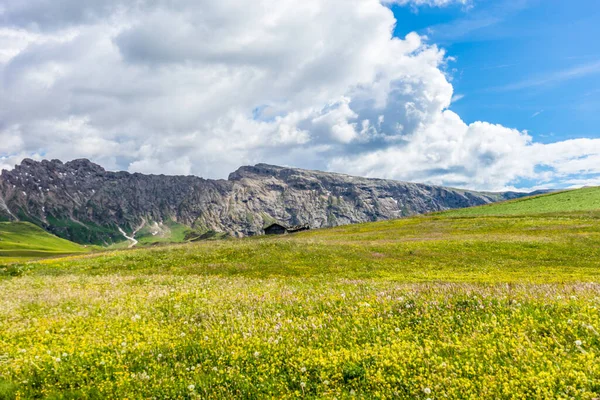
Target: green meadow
x,y
496,304
21,241
565,201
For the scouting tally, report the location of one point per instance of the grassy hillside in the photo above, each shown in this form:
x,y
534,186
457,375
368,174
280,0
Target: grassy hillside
x,y
172,232
168,233
422,249
587,199
426,307
20,241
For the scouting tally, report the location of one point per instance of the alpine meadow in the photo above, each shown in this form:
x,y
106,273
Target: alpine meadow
x,y
315,199
496,305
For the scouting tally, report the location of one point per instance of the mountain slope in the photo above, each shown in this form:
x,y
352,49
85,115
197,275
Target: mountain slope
x,y
81,201
586,199
23,240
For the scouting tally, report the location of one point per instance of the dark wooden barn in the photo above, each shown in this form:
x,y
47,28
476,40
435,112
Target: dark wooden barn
x,y
275,229
279,229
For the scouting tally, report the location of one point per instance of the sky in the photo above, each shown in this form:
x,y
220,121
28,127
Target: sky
x,y
479,94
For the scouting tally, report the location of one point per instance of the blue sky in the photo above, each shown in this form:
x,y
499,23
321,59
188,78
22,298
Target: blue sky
x,y
530,65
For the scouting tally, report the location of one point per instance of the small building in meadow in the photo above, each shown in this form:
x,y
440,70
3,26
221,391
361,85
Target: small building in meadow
x,y
280,229
275,229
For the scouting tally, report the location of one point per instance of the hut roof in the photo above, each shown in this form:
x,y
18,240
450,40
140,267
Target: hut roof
x,y
276,224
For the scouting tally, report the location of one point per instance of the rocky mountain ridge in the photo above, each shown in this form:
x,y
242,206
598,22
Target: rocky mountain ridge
x,y
81,201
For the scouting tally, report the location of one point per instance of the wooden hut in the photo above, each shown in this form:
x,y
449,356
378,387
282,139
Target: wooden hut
x,y
275,229
279,229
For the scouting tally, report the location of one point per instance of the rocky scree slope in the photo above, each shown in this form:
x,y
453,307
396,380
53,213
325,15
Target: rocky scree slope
x,y
82,202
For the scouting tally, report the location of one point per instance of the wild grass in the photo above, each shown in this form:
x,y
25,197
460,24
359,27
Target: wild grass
x,y
423,308
544,249
163,336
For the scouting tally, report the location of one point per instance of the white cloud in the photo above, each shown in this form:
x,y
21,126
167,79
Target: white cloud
x,y
448,151
555,77
183,87
535,114
431,3
457,97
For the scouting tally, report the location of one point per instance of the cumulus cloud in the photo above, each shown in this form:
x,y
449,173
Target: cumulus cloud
x,y
182,87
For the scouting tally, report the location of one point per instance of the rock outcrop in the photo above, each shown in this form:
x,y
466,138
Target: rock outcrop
x,y
81,201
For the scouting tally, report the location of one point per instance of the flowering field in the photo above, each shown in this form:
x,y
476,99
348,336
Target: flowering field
x,y
429,307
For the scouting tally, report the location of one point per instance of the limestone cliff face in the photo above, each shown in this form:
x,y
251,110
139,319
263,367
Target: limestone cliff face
x,y
81,201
